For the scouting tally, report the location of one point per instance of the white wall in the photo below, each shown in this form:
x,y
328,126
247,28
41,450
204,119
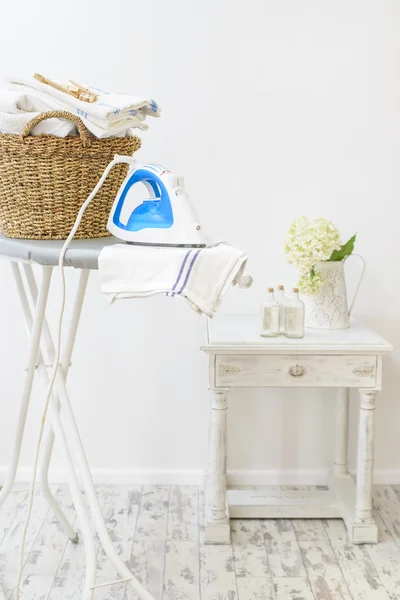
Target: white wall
x,y
271,110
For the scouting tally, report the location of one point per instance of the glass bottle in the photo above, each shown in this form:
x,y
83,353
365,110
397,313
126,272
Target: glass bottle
x,y
283,302
295,316
270,315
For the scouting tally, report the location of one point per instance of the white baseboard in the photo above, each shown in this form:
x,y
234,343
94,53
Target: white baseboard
x,y
385,476
120,476
302,476
195,476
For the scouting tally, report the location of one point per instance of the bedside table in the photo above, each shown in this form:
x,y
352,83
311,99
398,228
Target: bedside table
x,y
344,359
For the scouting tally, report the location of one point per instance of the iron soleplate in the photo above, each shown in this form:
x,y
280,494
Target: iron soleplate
x,y
166,245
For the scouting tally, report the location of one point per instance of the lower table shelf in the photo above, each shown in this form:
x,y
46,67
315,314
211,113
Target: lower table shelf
x,y
286,504
336,501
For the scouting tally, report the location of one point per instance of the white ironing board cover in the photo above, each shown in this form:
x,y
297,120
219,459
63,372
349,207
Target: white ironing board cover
x,y
81,254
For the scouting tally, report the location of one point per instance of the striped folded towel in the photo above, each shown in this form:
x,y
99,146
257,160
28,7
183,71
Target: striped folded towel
x,y
199,275
112,115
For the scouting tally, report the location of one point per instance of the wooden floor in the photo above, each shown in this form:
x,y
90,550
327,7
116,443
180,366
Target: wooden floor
x,y
158,530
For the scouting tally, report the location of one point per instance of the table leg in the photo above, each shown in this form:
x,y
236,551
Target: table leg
x,y
364,527
341,432
217,518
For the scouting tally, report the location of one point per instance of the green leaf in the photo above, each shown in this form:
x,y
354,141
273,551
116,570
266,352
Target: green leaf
x,y
345,250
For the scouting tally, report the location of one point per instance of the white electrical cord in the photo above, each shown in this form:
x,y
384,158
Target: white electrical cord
x,y
117,159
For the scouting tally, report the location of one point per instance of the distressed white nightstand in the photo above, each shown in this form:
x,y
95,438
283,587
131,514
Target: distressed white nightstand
x,y
344,359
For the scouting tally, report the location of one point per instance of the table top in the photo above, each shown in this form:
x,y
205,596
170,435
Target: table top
x,y
240,334
81,254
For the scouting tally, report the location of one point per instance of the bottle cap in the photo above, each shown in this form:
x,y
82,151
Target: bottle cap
x,y
295,290
281,287
270,289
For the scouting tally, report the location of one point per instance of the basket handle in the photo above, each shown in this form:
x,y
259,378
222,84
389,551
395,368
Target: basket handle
x,y
59,114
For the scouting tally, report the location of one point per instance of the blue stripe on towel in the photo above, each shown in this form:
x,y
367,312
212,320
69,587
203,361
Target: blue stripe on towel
x,y
190,267
180,272
116,110
190,270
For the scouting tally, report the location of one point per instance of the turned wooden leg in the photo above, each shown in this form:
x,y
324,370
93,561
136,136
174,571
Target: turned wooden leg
x,y
218,455
341,432
365,461
364,527
217,525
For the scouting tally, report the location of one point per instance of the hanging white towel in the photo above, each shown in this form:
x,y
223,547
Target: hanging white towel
x,y
200,275
111,115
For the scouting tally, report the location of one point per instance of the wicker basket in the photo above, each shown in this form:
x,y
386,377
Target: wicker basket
x,y
45,179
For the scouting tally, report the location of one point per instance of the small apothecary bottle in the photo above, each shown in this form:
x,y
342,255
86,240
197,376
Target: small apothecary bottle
x,y
294,327
282,301
270,315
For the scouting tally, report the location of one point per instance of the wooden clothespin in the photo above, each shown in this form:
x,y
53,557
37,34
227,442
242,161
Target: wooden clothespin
x,y
71,88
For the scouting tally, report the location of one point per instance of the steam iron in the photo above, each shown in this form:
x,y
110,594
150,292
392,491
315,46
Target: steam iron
x,y
164,218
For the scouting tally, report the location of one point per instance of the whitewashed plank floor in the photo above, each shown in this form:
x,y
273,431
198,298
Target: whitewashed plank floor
x,y
159,531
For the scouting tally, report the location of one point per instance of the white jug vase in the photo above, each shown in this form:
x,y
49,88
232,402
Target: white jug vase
x,y
329,309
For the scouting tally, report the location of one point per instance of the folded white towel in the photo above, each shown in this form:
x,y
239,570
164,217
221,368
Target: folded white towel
x,y
17,108
15,123
202,276
15,102
111,115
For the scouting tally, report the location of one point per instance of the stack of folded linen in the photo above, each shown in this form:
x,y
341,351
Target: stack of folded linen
x,y
16,110
110,115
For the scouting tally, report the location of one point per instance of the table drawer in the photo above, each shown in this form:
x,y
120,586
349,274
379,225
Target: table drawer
x,y
251,370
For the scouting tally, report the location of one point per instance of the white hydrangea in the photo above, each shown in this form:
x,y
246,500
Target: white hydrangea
x,y
306,244
310,283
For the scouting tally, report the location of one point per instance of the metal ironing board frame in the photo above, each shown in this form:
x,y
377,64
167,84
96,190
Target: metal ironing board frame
x,y
63,426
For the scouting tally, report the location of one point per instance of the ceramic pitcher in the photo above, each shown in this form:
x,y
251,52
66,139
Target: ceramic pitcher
x,y
329,308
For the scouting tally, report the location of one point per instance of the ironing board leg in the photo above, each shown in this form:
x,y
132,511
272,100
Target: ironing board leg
x,y
33,352
76,314
87,537
74,443
44,483
54,410
70,532
82,464
75,318
65,364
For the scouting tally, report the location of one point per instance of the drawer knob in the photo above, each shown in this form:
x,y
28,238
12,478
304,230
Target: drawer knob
x,y
297,371
364,371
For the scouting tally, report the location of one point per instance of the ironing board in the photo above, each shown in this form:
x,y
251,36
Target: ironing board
x,y
82,255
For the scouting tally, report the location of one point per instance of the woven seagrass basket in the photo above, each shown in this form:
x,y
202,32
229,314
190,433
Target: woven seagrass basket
x,y
44,180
